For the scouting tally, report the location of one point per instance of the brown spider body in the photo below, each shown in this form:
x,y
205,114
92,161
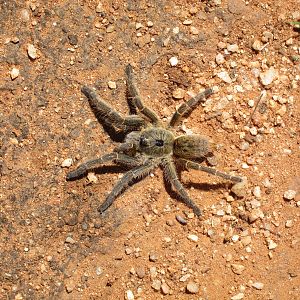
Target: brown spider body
x,y
149,145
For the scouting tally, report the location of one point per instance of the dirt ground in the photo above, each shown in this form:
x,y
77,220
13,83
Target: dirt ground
x,y
149,245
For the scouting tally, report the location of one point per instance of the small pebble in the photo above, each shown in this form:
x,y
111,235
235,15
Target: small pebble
x,y
25,16
224,76
193,237
237,268
32,52
178,93
251,103
187,22
235,238
70,285
129,295
269,76
150,24
153,256
258,285
165,289
267,36
112,85
258,45
156,284
289,42
289,223
92,177
246,240
257,192
240,188
289,195
192,287
244,146
99,271
255,215
253,131
271,244
140,272
238,296
110,28
194,30
233,48
173,61
184,277
181,220
220,59
67,163
14,73
99,8
138,26
70,240
128,251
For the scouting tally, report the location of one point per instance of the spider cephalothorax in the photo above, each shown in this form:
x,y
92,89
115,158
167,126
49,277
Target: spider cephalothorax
x,y
149,144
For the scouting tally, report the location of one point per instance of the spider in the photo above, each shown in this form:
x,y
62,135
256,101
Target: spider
x,y
149,144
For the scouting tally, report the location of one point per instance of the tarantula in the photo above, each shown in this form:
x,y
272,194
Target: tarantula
x,y
149,144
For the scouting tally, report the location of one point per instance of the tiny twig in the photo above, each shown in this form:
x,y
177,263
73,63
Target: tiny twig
x,y
263,93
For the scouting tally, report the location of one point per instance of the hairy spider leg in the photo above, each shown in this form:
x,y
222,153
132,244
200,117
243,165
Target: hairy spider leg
x,y
193,165
171,175
98,162
187,107
135,99
122,184
109,115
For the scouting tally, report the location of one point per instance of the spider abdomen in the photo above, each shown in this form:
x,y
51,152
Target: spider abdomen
x,y
193,146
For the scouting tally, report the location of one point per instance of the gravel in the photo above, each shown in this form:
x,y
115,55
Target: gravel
x,y
240,188
165,289
173,61
156,284
193,237
112,85
178,93
269,76
32,51
181,220
67,163
258,285
14,73
153,256
237,268
129,295
192,287
289,195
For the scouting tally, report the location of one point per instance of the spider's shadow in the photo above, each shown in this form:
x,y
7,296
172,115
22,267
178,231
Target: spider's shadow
x,y
199,186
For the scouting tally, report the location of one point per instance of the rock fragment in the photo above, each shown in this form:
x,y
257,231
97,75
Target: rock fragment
x,y
289,195
173,61
192,287
112,85
193,238
237,268
32,52
165,289
129,295
67,163
258,285
224,76
14,73
266,78
178,93
240,188
156,285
